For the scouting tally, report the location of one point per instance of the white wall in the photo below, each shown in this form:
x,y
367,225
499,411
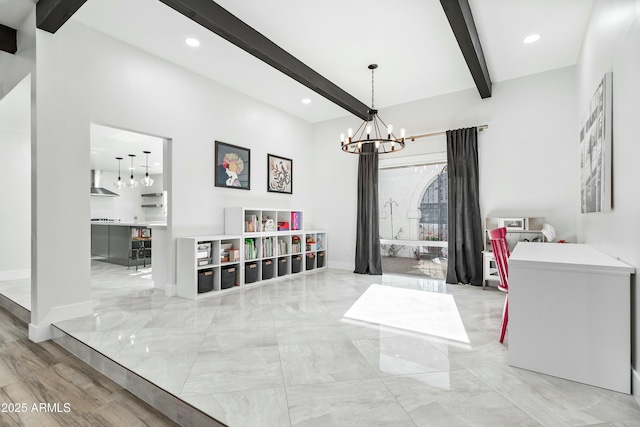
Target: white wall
x,y
526,155
15,134
86,77
127,207
15,174
15,67
612,43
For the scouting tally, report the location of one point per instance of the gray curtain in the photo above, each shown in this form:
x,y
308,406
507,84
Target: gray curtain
x,y
368,259
465,223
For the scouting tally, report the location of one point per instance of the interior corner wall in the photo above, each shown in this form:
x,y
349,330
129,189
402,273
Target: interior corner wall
x,y
87,77
15,213
611,44
15,193
527,157
15,67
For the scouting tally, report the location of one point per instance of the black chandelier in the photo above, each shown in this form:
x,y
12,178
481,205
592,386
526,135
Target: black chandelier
x,y
373,136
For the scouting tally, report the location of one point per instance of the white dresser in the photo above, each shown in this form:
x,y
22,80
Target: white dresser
x,y
570,314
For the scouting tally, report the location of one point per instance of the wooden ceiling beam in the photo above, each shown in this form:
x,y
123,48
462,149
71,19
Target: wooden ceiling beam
x,y
220,21
464,28
52,14
8,39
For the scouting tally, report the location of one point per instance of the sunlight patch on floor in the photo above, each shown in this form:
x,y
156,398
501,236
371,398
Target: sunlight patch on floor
x,y
429,313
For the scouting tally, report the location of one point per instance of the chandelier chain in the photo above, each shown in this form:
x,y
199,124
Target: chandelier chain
x,y
372,89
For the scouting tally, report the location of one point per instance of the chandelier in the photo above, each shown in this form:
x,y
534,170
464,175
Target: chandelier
x,y
373,136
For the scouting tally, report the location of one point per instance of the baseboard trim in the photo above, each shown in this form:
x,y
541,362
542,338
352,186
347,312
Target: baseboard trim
x,y
339,265
170,290
635,385
15,274
42,330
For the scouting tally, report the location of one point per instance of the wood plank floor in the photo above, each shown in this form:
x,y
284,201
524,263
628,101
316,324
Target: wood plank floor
x,y
41,384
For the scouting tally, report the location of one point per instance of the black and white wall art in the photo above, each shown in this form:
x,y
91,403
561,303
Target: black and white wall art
x,y
595,150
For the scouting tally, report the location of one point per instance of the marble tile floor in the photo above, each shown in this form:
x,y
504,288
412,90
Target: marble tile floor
x,y
41,384
333,348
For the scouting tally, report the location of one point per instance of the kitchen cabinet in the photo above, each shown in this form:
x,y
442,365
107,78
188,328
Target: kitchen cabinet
x,y
113,242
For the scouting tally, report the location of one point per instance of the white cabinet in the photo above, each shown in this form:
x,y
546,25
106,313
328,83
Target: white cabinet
x,y
569,314
208,265
519,229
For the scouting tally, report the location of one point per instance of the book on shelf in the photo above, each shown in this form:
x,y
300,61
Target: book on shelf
x,y
250,248
296,220
251,223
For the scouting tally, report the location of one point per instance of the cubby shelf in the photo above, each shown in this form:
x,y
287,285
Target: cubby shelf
x,y
206,265
276,243
267,250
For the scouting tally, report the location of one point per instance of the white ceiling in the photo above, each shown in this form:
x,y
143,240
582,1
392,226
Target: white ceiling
x,y
13,12
108,143
410,40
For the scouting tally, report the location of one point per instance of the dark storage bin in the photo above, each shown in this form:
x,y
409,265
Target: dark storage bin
x,y
310,261
267,269
205,281
296,263
228,277
283,264
320,260
250,272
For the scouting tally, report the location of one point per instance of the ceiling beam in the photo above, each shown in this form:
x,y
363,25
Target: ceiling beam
x,y
52,14
8,39
220,21
461,20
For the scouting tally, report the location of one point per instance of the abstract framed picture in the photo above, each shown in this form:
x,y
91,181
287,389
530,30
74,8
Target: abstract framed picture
x,y
279,174
595,150
233,166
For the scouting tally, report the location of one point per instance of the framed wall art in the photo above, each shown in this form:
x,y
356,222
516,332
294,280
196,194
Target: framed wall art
x,y
279,174
513,223
232,166
595,150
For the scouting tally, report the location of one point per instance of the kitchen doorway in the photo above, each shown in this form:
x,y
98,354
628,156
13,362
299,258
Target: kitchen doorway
x,y
129,201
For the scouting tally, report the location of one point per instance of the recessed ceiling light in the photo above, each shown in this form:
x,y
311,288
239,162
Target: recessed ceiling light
x,y
532,38
192,42
306,101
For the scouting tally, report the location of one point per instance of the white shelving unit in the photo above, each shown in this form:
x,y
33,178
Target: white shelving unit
x,y
203,256
275,243
531,231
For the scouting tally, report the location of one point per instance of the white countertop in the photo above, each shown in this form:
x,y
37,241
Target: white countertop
x,y
131,224
571,256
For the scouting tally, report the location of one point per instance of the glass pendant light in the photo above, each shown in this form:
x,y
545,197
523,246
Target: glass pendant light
x,y
119,184
132,183
147,181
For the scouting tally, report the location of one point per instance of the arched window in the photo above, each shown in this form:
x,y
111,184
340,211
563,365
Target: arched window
x,y
433,209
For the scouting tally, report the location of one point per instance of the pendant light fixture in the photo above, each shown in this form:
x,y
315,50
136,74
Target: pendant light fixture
x,y
119,184
132,183
147,181
373,136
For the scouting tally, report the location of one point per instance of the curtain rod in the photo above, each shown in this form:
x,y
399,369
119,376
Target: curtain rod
x,y
413,138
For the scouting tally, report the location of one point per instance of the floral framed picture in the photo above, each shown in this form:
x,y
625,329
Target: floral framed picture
x,y
233,166
279,174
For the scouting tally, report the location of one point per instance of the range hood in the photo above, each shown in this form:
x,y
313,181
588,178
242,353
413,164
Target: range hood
x,y
96,185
